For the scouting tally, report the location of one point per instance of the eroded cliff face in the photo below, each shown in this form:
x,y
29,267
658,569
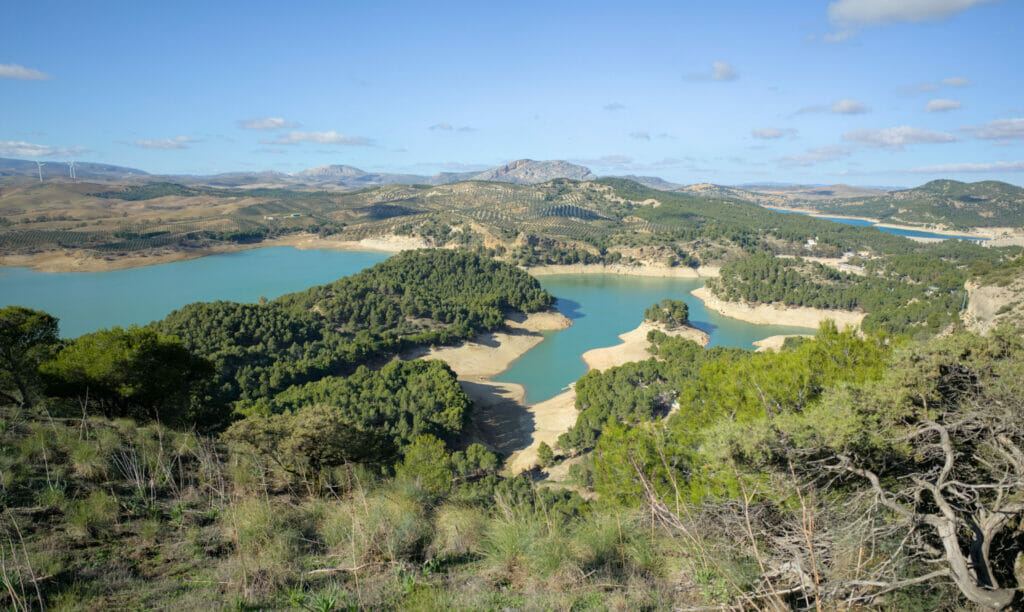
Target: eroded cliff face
x,y
990,305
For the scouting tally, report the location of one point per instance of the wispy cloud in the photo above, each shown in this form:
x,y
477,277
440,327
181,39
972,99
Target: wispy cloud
x,y
999,129
813,108
1000,166
179,142
720,71
928,86
14,71
939,105
862,13
447,127
640,135
331,138
614,106
13,148
772,133
266,124
815,155
848,106
956,82
896,137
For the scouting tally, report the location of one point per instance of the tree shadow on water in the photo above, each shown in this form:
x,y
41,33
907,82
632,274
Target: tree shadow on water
x,y
705,326
570,308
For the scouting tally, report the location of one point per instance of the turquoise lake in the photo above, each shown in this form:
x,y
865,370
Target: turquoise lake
x,y
602,306
87,301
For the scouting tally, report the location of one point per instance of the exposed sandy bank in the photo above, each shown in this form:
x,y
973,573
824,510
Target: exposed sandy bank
x,y
550,419
652,270
500,417
778,314
634,346
774,343
492,353
553,417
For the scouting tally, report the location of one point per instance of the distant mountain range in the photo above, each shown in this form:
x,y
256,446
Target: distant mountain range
x,y
985,203
336,176
85,171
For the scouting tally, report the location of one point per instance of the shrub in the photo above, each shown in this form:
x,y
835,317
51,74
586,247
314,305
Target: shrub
x,y
93,516
458,531
385,526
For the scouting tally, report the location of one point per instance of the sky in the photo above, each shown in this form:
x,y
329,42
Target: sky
x,y
863,92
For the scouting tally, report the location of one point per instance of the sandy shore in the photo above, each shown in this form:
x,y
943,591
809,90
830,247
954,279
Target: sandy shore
x,y
492,353
551,418
78,260
652,270
501,418
774,343
634,346
777,314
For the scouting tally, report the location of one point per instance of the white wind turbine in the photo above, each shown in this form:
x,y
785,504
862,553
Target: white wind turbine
x,y
39,167
71,171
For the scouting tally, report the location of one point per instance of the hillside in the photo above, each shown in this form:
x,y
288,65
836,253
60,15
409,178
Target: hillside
x,y
560,221
943,202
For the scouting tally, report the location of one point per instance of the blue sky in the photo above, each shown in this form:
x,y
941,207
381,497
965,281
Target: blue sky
x,y
867,92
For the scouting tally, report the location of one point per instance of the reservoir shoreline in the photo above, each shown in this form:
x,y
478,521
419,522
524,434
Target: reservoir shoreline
x,y
778,314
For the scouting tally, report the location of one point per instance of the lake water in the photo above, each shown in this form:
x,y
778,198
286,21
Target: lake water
x,y
602,306
909,233
87,301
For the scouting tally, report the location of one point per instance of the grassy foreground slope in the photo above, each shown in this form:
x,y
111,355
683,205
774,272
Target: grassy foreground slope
x,y
840,471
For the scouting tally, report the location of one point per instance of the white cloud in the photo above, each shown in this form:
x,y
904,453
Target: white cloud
x,y
723,72
447,127
956,82
815,155
896,137
640,135
849,13
179,142
720,71
606,161
1000,129
848,106
614,106
772,133
940,104
838,37
1001,166
814,108
266,123
14,71
27,149
332,138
